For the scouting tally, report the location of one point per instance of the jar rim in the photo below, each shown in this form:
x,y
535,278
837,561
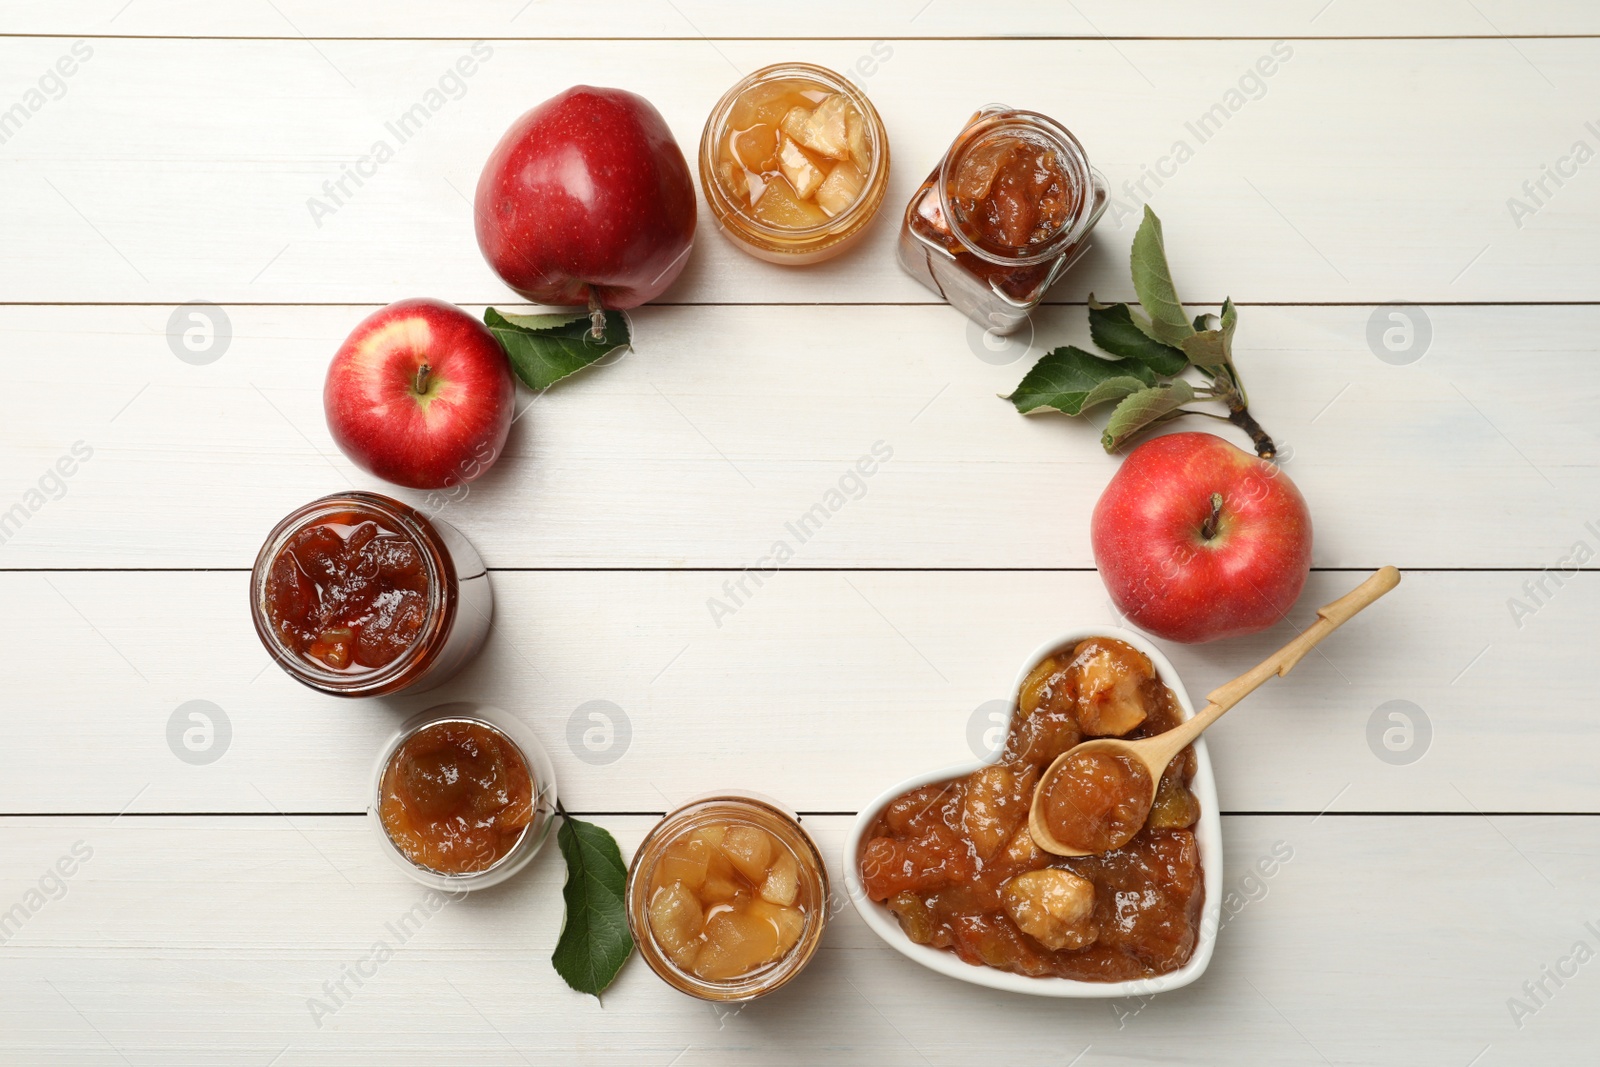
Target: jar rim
x,y
996,118
672,826
437,623
839,226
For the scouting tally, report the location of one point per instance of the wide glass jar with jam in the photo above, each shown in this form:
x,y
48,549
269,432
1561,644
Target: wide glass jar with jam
x,y
357,594
462,796
727,897
794,163
1001,218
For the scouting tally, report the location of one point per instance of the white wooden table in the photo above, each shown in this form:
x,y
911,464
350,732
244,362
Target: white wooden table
x,y
1430,890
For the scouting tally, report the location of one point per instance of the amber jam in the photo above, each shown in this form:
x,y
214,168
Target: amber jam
x,y
456,797
358,594
463,796
1097,800
794,162
1005,213
727,898
955,863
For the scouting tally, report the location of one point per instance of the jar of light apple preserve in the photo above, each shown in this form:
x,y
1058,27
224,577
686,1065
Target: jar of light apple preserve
x,y
727,897
357,594
1001,218
794,162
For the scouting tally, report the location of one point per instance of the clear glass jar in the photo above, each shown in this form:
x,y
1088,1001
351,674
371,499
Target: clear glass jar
x,y
995,285
801,243
456,609
541,774
736,808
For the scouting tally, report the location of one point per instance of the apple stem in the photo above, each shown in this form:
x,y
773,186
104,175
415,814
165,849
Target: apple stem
x,y
1208,529
597,316
421,382
1240,416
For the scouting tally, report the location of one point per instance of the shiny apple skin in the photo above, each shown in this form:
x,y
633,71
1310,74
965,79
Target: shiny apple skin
x,y
587,194
378,419
1170,580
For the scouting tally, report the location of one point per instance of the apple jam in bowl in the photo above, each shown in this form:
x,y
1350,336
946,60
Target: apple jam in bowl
x,y
727,897
943,868
794,162
357,594
462,796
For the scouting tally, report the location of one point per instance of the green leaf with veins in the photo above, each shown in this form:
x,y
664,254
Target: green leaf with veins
x,y
1152,280
544,349
1212,350
595,941
1115,329
1070,380
1146,408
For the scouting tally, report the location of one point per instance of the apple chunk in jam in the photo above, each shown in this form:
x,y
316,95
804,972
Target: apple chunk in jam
x,y
348,592
795,153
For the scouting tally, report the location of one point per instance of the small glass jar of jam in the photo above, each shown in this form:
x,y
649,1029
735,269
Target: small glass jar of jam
x,y
359,595
463,796
1004,214
794,162
727,897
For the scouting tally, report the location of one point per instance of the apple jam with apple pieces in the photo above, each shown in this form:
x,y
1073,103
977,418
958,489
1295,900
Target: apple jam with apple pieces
x,y
794,154
348,592
955,863
725,901
456,797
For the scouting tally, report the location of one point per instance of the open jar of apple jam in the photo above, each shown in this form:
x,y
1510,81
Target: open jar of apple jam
x,y
462,796
1001,218
794,162
727,897
357,594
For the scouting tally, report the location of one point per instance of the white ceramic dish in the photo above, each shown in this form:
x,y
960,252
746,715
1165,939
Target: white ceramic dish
x,y
1208,836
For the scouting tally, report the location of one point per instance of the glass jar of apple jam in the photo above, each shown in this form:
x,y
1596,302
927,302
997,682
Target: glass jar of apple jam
x,y
794,162
727,897
463,796
1001,218
357,594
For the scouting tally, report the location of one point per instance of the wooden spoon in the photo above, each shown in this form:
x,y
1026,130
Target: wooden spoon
x,y
1155,753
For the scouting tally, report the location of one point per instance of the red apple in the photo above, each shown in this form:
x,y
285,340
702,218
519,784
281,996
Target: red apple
x,y
1196,539
420,394
587,201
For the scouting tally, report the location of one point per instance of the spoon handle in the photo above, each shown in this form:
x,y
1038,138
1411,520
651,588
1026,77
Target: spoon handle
x,y
1329,618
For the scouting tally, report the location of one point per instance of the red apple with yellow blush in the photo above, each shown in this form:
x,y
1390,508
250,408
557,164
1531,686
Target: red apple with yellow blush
x,y
420,394
1198,540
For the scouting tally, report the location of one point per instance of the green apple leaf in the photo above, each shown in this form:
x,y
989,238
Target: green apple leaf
x,y
1070,380
595,941
544,349
1212,350
1144,409
1152,280
1115,329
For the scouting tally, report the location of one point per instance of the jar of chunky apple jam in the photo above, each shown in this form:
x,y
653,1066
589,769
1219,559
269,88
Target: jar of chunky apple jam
x,y
1004,214
794,162
463,796
727,897
357,594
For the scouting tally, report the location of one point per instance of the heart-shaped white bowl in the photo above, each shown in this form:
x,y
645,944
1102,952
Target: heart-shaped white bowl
x,y
1208,836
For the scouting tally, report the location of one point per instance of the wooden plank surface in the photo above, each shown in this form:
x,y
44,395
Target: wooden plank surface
x,y
1421,928
728,423
720,19
1306,193
873,676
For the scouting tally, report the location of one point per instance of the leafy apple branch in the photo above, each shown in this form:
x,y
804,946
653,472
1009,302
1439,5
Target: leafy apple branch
x,y
1148,349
